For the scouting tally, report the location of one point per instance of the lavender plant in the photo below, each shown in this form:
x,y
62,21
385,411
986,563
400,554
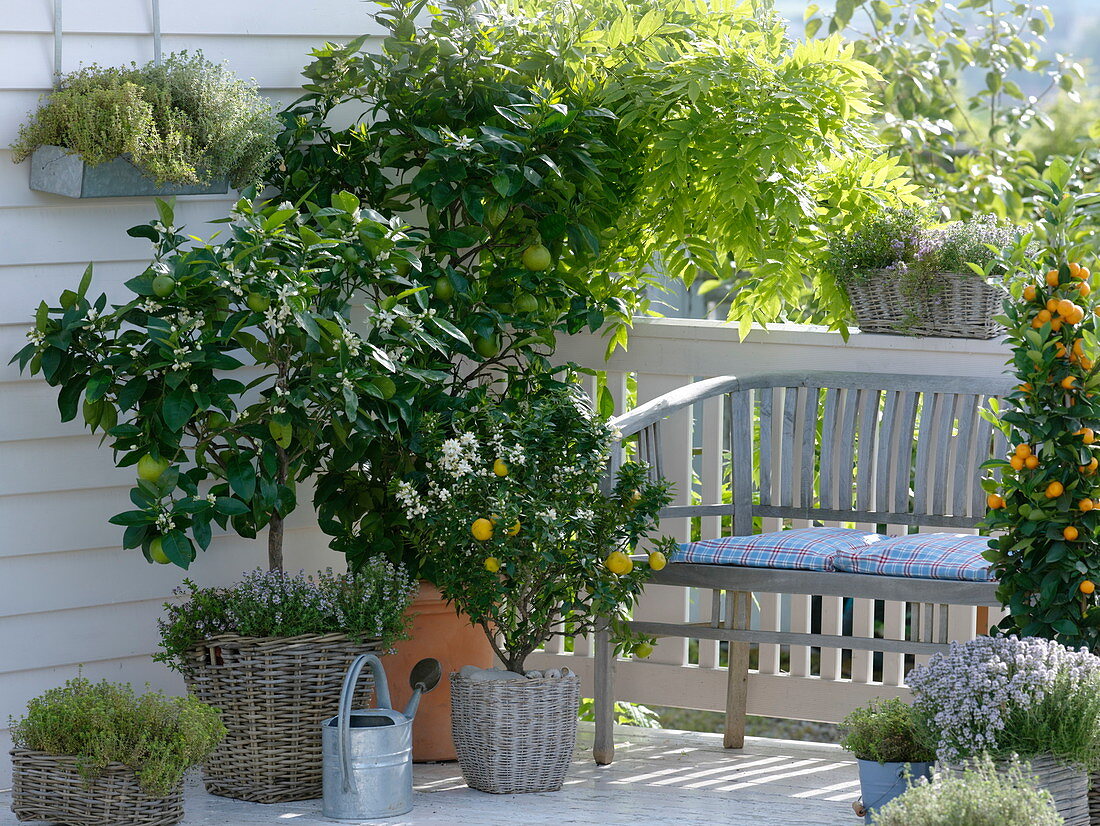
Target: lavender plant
x,y
370,604
1006,695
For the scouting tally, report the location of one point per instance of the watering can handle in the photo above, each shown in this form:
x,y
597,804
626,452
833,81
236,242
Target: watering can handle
x,y
347,697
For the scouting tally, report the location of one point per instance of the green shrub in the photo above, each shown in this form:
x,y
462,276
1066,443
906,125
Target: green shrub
x,y
101,723
369,605
885,731
186,121
980,795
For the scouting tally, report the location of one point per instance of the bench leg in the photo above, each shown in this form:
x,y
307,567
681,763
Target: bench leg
x,y
738,610
603,749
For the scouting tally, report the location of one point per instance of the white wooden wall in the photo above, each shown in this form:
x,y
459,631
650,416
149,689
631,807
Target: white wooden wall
x,y
70,597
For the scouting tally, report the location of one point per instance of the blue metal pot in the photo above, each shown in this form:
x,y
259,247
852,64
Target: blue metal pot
x,y
879,783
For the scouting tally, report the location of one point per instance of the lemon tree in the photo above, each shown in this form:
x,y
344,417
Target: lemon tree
x,y
522,539
1044,501
234,371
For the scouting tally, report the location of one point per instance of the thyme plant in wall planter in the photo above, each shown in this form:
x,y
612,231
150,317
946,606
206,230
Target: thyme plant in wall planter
x,y
96,754
270,653
186,127
902,275
528,547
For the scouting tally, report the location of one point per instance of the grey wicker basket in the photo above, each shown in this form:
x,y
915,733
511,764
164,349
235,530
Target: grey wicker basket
x,y
1094,799
1068,785
273,693
962,305
49,787
515,736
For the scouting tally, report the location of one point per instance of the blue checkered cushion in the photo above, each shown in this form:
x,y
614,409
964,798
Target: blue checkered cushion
x,y
806,549
922,555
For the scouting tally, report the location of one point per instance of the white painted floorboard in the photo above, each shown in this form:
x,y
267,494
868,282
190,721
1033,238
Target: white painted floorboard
x,y
670,778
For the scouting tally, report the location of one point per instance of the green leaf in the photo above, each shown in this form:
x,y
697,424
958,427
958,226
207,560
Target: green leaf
x,y
167,214
507,184
85,282
242,476
200,529
230,506
133,518
144,231
178,408
134,535
177,547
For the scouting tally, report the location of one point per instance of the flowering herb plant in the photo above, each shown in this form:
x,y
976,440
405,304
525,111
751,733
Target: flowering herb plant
x,y
1006,695
524,541
370,604
233,370
885,731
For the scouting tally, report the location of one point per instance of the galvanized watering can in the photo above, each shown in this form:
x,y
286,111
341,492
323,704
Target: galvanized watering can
x,y
367,754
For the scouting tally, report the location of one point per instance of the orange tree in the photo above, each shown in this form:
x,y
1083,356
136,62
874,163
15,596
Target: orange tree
x,y
1044,505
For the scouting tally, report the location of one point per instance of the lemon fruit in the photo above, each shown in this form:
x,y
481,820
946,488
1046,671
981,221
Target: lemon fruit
x,y
156,552
258,302
163,285
150,469
487,346
537,258
492,564
657,561
618,563
643,650
500,468
444,289
482,529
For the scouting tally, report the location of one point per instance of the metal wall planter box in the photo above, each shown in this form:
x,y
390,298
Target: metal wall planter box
x,y
60,172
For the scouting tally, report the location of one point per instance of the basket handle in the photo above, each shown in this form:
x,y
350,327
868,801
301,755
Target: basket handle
x,y
347,697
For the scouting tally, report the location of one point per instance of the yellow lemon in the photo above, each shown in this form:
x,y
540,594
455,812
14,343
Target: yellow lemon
x,y
657,561
514,530
618,563
482,529
492,564
499,468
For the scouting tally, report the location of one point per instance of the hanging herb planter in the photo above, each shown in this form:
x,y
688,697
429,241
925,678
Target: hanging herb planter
x,y
183,127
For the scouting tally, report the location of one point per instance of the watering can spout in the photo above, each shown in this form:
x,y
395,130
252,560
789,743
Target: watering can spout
x,y
423,678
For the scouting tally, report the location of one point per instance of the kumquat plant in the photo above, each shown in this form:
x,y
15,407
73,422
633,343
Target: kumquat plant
x,y
1045,502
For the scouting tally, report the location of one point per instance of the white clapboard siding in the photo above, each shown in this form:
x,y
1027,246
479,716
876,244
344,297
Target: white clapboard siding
x,y
70,597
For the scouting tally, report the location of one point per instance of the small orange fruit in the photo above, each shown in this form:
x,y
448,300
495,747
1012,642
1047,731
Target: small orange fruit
x,y
1069,533
1085,290
995,501
1052,305
1023,450
1074,269
1068,382
1085,505
1087,434
1031,462
1036,323
1052,278
1065,307
1054,490
1083,273
1056,325
1017,463
1087,586
1025,387
1086,363
1043,316
1090,468
1029,292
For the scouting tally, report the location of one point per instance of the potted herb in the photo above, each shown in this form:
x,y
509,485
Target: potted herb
x,y
271,652
902,274
187,126
528,547
1004,696
981,794
885,739
98,754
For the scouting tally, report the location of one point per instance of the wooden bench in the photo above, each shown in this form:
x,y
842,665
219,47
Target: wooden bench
x,y
885,451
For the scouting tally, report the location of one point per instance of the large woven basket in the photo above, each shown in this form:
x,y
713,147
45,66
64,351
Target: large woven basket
x,y
962,305
1094,799
273,693
515,736
49,787
1068,786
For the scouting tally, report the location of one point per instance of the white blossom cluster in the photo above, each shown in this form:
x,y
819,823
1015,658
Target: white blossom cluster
x,y
969,691
279,313
459,456
36,337
233,280
411,501
165,522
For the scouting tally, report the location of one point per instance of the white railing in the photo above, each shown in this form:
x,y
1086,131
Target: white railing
x,y
788,681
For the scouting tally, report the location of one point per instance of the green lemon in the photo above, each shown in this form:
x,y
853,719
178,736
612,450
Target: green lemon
x,y
216,420
258,302
444,289
526,303
150,469
156,552
163,285
643,650
487,346
93,413
537,258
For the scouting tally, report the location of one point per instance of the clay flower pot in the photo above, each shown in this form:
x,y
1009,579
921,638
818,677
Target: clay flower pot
x,y
436,631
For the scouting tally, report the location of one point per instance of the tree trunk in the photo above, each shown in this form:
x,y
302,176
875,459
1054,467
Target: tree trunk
x,y
275,542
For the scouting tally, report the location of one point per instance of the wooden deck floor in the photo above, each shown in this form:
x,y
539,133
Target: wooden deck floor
x,y
659,777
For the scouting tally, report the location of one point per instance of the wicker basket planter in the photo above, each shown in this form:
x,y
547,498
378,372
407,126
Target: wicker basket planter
x,y
49,787
273,694
962,307
1094,799
1068,786
515,736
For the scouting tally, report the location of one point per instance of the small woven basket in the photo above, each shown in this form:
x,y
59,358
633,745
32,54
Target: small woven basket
x,y
49,787
515,736
962,306
273,693
1069,786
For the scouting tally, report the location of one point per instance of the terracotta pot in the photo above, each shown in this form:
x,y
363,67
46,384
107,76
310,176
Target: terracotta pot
x,y
437,631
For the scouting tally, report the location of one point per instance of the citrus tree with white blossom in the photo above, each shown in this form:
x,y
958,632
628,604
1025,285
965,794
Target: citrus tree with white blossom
x,y
522,538
235,370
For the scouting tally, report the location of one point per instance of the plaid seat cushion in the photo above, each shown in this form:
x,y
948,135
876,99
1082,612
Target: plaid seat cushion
x,y
806,549
922,555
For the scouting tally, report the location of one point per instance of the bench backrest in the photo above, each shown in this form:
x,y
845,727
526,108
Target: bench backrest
x,y
840,447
